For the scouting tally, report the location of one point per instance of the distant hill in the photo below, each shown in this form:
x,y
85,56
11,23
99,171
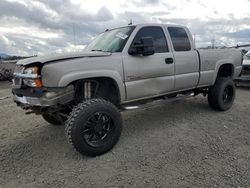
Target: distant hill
x,y
4,56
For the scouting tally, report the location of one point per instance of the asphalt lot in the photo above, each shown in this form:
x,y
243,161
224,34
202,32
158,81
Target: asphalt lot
x,y
182,144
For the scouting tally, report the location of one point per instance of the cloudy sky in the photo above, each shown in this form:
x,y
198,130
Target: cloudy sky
x,y
30,27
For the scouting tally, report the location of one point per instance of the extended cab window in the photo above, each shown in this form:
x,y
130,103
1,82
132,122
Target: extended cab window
x,y
158,36
179,39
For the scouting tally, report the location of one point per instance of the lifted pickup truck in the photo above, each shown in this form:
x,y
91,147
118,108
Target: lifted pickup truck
x,y
123,68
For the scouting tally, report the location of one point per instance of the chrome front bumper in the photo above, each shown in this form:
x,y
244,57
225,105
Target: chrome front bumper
x,y
48,99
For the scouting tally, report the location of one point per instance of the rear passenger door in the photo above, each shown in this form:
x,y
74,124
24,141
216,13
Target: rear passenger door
x,y
147,76
185,58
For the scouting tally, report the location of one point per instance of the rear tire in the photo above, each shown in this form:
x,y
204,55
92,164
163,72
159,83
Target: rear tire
x,y
94,127
221,95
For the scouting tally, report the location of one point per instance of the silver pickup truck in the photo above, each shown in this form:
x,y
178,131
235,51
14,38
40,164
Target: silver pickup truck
x,y
122,69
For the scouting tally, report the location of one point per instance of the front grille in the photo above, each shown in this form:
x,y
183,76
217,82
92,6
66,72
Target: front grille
x,y
19,69
17,82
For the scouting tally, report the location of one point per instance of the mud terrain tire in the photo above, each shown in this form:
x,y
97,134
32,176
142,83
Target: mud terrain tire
x,y
52,119
94,127
221,95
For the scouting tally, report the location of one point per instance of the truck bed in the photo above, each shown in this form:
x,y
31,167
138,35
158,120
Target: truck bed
x,y
212,59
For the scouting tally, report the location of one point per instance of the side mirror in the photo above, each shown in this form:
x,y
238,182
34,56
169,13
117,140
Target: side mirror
x,y
144,47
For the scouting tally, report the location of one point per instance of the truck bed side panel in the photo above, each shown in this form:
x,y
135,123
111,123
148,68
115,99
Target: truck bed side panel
x,y
213,59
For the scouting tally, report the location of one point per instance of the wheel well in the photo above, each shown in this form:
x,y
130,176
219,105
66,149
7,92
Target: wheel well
x,y
100,87
226,70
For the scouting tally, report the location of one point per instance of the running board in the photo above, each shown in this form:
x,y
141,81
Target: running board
x,y
158,102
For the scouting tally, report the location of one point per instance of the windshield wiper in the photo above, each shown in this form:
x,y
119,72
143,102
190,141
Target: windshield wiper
x,y
94,50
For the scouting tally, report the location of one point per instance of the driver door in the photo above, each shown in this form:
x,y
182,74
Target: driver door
x,y
151,75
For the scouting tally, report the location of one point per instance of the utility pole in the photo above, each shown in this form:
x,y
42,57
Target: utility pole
x,y
212,43
195,39
74,32
130,23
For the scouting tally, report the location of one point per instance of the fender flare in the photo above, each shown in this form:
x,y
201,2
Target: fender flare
x,y
73,76
218,66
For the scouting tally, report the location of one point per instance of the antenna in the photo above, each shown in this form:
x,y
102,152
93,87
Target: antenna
x,y
130,23
212,42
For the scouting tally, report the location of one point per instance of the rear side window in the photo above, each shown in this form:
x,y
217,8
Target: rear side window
x,y
158,36
179,39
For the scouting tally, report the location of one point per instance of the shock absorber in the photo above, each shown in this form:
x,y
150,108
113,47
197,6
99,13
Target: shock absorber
x,y
87,90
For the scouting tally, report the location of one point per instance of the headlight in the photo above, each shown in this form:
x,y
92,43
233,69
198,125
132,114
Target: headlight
x,y
33,82
31,72
31,77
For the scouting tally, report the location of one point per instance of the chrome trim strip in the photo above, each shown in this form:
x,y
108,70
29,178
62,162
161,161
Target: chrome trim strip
x,y
31,76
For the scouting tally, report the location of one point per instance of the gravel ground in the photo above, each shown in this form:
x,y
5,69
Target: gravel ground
x,y
182,144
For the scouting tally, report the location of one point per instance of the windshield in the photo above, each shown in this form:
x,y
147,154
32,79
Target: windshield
x,y
111,41
247,56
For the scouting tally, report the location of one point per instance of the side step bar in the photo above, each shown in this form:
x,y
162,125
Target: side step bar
x,y
158,102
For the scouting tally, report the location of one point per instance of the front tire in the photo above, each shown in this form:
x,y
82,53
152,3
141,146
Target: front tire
x,y
94,127
53,119
221,95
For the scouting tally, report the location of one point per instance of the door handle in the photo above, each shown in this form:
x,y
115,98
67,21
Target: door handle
x,y
169,60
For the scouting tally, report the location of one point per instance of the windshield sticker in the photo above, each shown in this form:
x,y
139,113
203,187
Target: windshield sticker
x,y
122,35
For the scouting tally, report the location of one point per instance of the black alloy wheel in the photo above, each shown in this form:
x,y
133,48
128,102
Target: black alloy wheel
x,y
228,95
98,129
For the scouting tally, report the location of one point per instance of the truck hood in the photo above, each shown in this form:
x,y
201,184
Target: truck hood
x,y
61,57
